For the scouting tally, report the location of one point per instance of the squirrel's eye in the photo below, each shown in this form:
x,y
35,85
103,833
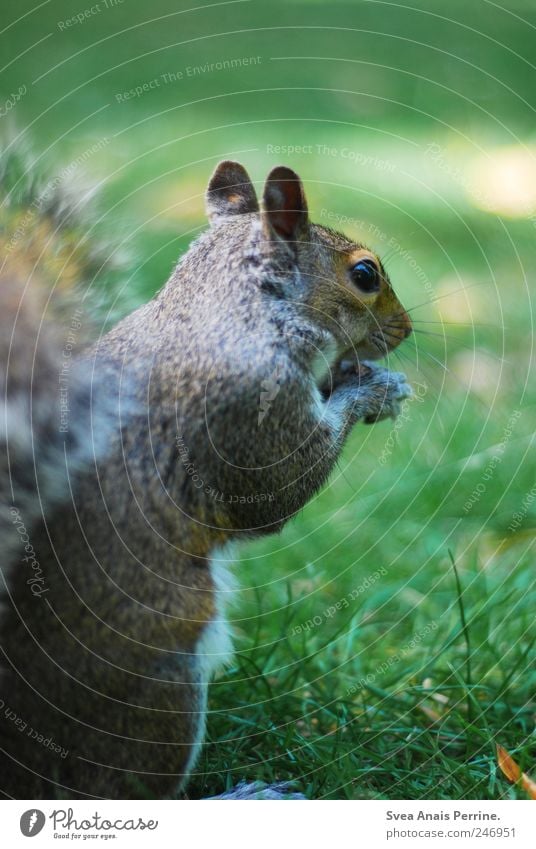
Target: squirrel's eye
x,y
366,276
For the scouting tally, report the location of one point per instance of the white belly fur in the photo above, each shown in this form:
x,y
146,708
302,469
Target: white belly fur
x,y
215,648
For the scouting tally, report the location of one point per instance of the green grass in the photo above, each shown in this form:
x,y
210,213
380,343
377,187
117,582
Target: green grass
x,y
388,693
345,700
347,705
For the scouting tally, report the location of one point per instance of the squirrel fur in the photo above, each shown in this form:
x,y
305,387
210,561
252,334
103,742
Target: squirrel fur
x,y
211,414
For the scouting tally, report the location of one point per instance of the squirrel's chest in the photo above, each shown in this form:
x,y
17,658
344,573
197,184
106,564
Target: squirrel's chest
x,y
324,359
215,646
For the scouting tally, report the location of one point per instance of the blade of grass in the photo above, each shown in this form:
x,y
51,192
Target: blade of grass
x,y
465,630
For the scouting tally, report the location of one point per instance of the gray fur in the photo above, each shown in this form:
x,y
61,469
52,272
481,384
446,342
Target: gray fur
x,y
258,791
110,662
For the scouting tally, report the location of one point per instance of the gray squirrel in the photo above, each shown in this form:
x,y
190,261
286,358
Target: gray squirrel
x,y
211,414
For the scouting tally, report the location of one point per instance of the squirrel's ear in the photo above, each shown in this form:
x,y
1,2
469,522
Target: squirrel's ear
x,y
284,205
230,192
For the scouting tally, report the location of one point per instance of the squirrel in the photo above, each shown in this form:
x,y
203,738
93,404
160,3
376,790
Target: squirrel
x,y
211,414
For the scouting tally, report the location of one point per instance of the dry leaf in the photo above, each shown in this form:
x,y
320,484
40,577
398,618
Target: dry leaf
x,y
512,771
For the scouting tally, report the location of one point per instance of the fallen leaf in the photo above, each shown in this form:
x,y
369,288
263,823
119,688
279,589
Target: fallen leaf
x,y
513,772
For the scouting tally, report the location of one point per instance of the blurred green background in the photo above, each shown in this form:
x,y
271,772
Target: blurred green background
x,y
413,128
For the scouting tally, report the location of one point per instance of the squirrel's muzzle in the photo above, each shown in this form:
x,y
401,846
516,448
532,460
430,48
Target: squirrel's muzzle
x,y
387,335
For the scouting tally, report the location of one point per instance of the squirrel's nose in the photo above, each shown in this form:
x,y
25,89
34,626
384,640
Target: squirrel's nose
x,y
405,325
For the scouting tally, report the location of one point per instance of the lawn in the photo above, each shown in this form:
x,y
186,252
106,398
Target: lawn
x,y
385,639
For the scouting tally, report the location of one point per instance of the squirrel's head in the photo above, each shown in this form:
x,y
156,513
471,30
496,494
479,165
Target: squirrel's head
x,y
342,284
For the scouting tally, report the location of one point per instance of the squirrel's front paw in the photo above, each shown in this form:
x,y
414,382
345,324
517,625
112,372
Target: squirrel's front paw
x,y
368,393
383,392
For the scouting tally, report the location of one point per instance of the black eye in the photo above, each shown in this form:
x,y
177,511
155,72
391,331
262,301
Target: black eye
x,y
366,276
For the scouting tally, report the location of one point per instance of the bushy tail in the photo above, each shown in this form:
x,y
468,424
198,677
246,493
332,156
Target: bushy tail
x,y
52,420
